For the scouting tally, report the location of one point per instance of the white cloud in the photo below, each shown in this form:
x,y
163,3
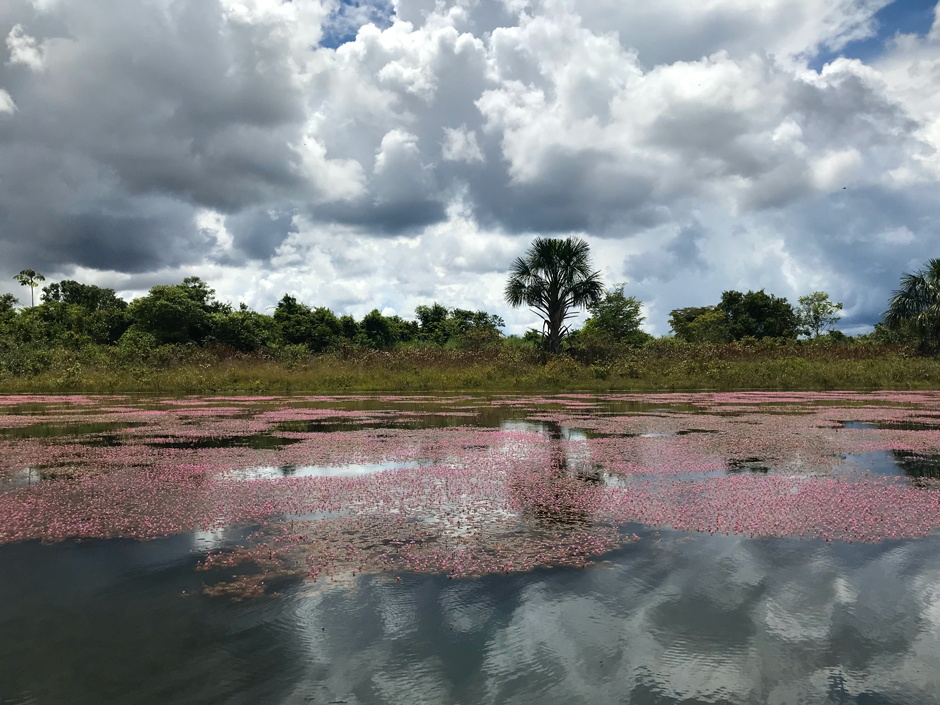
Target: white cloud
x,y
294,27
460,145
834,169
330,179
897,236
673,30
935,27
212,224
24,49
6,103
45,5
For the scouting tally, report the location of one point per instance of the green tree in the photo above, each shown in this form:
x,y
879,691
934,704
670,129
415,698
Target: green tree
x,y
7,310
349,328
325,329
457,327
915,307
555,278
617,317
89,296
816,313
30,278
402,331
180,313
758,315
293,320
432,322
474,329
378,330
243,329
199,291
85,309
700,324
319,329
384,332
883,334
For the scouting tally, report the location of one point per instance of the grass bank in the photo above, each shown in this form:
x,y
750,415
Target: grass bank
x,y
657,367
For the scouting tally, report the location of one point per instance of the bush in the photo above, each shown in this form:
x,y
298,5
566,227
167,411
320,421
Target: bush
x,y
136,346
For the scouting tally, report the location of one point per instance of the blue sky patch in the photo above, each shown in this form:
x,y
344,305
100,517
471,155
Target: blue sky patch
x,y
344,23
900,17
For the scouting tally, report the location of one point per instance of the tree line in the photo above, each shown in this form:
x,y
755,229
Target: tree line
x,y
72,314
555,279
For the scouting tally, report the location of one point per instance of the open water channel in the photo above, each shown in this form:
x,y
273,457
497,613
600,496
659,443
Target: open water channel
x,y
680,548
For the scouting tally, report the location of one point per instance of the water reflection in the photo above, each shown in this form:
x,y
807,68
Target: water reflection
x,y
555,431
347,470
54,430
758,465
20,478
257,441
917,465
897,463
669,619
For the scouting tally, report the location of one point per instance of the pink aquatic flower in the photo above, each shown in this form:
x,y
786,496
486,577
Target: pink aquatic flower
x,y
383,495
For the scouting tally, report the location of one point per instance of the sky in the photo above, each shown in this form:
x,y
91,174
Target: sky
x,y
363,155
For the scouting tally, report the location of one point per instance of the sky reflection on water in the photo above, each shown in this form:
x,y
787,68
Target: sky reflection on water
x,y
673,618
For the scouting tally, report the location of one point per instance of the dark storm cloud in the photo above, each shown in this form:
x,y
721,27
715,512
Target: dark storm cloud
x,y
573,192
868,235
100,241
847,111
258,231
400,216
138,102
680,257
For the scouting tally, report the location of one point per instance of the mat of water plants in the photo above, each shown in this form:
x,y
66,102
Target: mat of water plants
x,y
325,495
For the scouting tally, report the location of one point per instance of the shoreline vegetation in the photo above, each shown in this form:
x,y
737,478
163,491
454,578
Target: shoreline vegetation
x,y
181,339
660,365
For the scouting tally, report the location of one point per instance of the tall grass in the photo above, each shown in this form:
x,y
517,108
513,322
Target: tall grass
x,y
661,366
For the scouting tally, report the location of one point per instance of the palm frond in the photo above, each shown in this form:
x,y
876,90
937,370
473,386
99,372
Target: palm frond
x,y
554,277
916,304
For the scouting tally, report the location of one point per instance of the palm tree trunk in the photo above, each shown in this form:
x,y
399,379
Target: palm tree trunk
x,y
554,331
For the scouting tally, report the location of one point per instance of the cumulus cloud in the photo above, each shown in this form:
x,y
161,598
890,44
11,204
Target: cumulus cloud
x,y
460,145
388,154
6,103
23,49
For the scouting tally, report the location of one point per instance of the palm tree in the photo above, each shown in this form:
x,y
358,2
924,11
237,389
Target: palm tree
x,y
30,278
916,305
555,278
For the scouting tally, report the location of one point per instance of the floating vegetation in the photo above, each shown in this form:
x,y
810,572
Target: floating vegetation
x,y
521,482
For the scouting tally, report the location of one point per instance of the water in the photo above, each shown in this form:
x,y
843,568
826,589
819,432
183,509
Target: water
x,y
690,620
663,616
896,463
52,430
347,470
258,441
